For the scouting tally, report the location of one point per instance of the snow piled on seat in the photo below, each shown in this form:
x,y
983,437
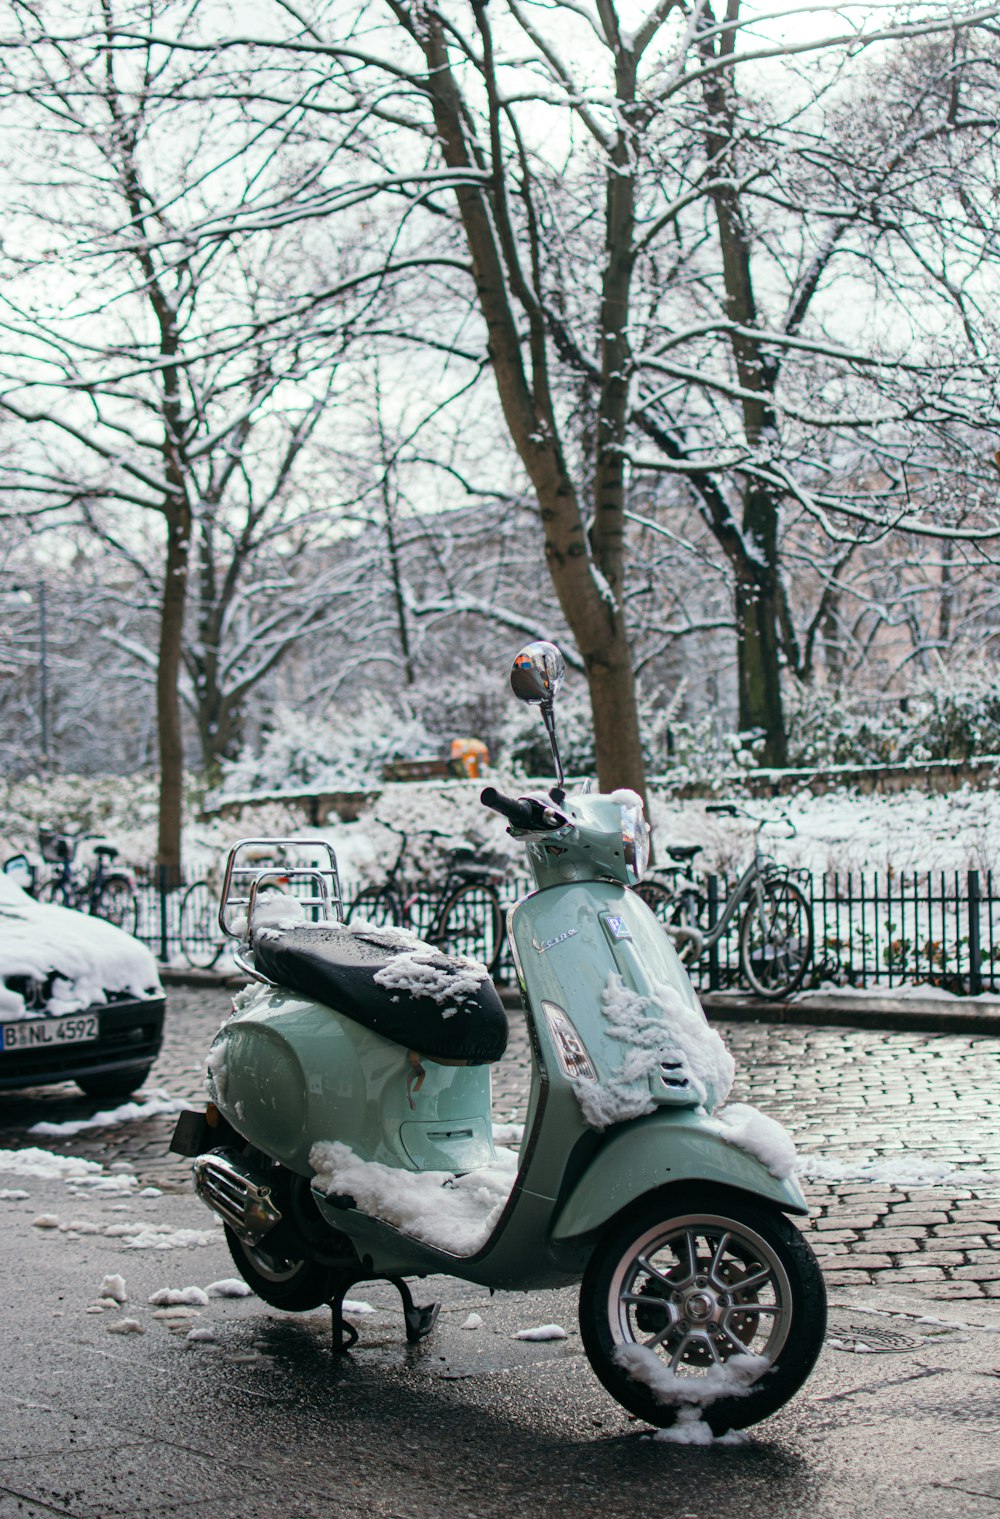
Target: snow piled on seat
x,y
452,982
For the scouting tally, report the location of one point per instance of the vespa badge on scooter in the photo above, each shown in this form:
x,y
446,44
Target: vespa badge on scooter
x,y
349,1135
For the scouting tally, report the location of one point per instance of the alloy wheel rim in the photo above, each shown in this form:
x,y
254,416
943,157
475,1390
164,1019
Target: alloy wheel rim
x,y
698,1291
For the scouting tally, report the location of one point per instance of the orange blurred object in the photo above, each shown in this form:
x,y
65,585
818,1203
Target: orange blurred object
x,y
472,754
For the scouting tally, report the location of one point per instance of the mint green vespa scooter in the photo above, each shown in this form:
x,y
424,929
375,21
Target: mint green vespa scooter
x,y
349,1134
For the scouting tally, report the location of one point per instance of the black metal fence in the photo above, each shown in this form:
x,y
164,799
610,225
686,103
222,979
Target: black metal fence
x,y
884,929
870,929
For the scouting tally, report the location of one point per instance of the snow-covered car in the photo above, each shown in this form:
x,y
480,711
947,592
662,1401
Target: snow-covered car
x,y
80,1000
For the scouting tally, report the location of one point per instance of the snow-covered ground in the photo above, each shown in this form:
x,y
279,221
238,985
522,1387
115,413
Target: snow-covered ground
x,y
910,831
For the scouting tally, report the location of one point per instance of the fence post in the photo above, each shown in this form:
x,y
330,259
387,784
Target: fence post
x,y
975,952
712,883
161,881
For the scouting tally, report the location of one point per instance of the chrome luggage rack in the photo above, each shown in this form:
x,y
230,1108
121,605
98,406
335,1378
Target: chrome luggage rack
x,y
255,866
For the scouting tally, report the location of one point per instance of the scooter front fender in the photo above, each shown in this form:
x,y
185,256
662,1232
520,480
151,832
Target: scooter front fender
x,y
667,1148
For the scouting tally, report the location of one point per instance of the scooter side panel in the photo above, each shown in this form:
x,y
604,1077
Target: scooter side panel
x,y
287,1072
667,1148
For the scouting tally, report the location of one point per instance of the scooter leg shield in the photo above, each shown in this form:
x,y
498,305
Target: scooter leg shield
x,y
663,1150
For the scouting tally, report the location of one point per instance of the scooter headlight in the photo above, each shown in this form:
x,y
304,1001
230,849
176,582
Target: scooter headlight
x,y
635,840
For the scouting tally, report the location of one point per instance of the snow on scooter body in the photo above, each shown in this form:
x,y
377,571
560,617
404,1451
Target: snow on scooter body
x,y
349,1135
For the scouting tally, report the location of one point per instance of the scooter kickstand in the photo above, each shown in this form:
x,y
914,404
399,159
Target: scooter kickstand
x,y
345,1336
419,1320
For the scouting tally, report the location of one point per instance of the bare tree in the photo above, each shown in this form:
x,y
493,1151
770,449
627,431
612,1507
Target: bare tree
x,y
746,253
747,250
167,365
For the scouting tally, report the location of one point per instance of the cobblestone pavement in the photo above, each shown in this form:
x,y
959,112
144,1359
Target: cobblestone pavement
x,y
876,1116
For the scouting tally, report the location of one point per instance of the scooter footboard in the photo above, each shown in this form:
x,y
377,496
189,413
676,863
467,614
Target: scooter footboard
x,y
663,1150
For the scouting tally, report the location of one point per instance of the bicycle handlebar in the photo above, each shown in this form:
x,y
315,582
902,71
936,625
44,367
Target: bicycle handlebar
x,y
731,810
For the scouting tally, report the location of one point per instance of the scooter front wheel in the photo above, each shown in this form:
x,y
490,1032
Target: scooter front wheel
x,y
703,1302
293,1285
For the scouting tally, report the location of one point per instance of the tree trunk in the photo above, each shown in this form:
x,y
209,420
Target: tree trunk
x,y
168,704
589,596
758,630
759,665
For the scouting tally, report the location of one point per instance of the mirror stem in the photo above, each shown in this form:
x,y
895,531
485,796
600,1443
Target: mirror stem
x,y
548,718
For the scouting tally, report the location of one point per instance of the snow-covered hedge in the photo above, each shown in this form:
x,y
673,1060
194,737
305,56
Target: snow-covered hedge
x,y
953,715
341,751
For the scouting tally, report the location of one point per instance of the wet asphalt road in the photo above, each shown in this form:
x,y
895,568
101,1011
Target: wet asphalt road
x,y
256,1418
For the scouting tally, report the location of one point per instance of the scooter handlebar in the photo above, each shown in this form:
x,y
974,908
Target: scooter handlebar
x,y
517,810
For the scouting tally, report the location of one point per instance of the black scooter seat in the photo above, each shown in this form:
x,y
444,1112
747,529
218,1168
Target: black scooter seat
x,y
400,987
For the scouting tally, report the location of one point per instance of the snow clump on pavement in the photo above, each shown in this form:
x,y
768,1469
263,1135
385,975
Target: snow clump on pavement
x,y
151,1106
543,1332
48,1167
172,1297
162,1237
229,1286
689,1428
126,1326
113,1287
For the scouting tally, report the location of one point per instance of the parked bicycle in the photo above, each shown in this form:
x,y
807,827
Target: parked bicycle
x,y
461,916
776,929
97,888
201,937
202,940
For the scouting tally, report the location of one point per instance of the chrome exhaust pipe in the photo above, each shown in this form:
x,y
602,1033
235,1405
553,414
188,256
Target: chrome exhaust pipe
x,y
237,1192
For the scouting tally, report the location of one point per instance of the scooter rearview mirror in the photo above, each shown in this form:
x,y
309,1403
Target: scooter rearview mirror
x,y
536,675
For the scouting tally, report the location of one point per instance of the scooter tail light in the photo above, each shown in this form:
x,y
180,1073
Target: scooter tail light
x,y
569,1047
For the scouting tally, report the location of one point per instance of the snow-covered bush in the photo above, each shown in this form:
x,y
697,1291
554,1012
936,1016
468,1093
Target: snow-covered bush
x,y
344,750
699,749
952,715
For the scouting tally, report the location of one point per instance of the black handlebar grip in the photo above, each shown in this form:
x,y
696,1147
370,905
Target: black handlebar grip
x,y
516,811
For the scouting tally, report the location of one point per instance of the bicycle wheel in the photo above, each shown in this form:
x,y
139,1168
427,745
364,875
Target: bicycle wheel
x,y
684,915
117,903
201,937
658,897
776,938
471,923
378,905
55,893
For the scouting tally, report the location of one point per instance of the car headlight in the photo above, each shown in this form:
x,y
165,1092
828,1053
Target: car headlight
x,y
635,840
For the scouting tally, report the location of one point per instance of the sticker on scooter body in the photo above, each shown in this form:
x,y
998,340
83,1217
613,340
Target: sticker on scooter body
x,y
617,927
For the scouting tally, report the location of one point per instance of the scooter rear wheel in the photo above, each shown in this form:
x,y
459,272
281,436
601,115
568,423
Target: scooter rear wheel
x,y
685,1284
293,1285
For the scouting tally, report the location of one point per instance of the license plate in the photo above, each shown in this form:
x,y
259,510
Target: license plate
x,y
37,1033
